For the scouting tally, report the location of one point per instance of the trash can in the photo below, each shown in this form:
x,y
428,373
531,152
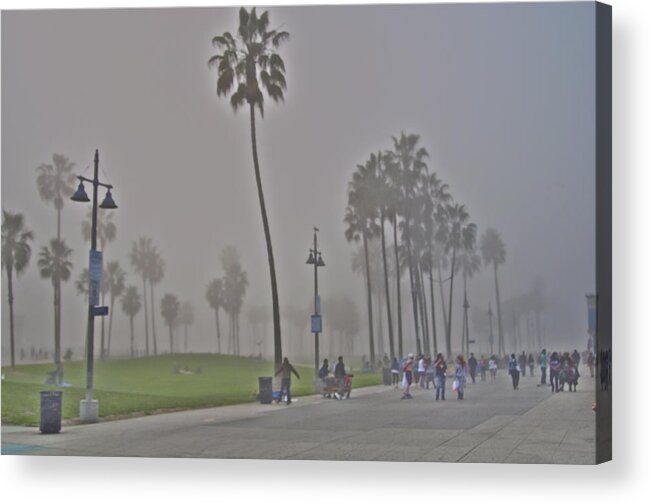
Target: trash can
x,y
265,385
386,376
51,411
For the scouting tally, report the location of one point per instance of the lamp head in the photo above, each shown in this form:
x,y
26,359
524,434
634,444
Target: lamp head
x,y
310,259
80,194
108,203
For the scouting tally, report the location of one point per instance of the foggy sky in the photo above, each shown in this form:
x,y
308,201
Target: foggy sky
x,y
502,96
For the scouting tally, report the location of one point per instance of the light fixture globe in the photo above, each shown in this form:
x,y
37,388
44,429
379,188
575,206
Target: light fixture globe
x,y
80,194
108,203
310,259
319,261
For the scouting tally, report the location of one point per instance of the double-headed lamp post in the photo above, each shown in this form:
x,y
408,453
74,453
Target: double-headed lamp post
x,y
316,259
89,409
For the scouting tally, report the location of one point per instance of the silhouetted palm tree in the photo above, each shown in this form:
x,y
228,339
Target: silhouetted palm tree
x,y
139,256
252,62
235,282
16,253
468,263
131,306
155,272
460,234
82,284
169,308
494,253
54,263
114,279
215,298
360,219
411,159
55,183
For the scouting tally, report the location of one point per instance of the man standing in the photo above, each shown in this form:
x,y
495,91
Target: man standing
x,y
542,362
408,369
285,385
522,362
340,374
472,366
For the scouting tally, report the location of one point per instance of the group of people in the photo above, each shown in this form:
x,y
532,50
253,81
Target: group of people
x,y
421,370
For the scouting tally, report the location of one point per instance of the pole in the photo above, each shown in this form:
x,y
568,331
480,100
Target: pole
x,y
91,319
490,316
316,295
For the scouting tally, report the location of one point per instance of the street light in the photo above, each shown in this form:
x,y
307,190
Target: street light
x,y
316,259
88,408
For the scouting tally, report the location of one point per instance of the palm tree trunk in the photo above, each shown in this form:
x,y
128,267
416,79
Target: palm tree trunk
x,y
219,339
380,326
499,314
412,283
131,327
423,310
538,333
57,322
10,292
144,294
110,327
386,289
448,339
445,311
171,339
369,301
431,300
153,318
399,307
278,353
185,330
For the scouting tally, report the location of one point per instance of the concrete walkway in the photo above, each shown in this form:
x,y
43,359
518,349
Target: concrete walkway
x,y
493,423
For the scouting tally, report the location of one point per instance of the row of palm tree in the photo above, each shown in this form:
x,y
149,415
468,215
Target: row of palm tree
x,y
431,233
227,293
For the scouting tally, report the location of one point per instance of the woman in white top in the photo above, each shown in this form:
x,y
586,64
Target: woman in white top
x,y
421,371
492,367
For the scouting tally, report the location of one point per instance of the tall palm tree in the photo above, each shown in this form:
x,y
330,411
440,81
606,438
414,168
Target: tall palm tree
x,y
468,263
139,256
16,253
411,158
386,196
131,306
55,183
494,253
251,60
460,235
115,282
360,219
215,298
54,263
81,283
169,308
155,273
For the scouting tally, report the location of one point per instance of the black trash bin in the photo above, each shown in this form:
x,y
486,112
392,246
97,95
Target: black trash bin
x,y
51,411
386,376
265,384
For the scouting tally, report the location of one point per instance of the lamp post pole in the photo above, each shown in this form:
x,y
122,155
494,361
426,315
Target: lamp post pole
x,y
316,259
89,408
316,307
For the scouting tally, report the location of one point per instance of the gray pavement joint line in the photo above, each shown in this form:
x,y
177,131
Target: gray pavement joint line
x,y
294,455
488,438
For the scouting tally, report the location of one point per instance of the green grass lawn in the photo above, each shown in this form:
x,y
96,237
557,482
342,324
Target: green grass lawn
x,y
148,385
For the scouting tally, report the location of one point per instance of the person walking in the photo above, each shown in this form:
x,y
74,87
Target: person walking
x,y
590,362
460,376
482,367
472,366
395,373
530,363
340,375
576,358
514,371
542,362
421,371
554,371
522,363
285,371
492,367
408,370
440,369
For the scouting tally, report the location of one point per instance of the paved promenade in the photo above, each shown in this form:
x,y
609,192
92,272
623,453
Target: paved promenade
x,y
493,423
